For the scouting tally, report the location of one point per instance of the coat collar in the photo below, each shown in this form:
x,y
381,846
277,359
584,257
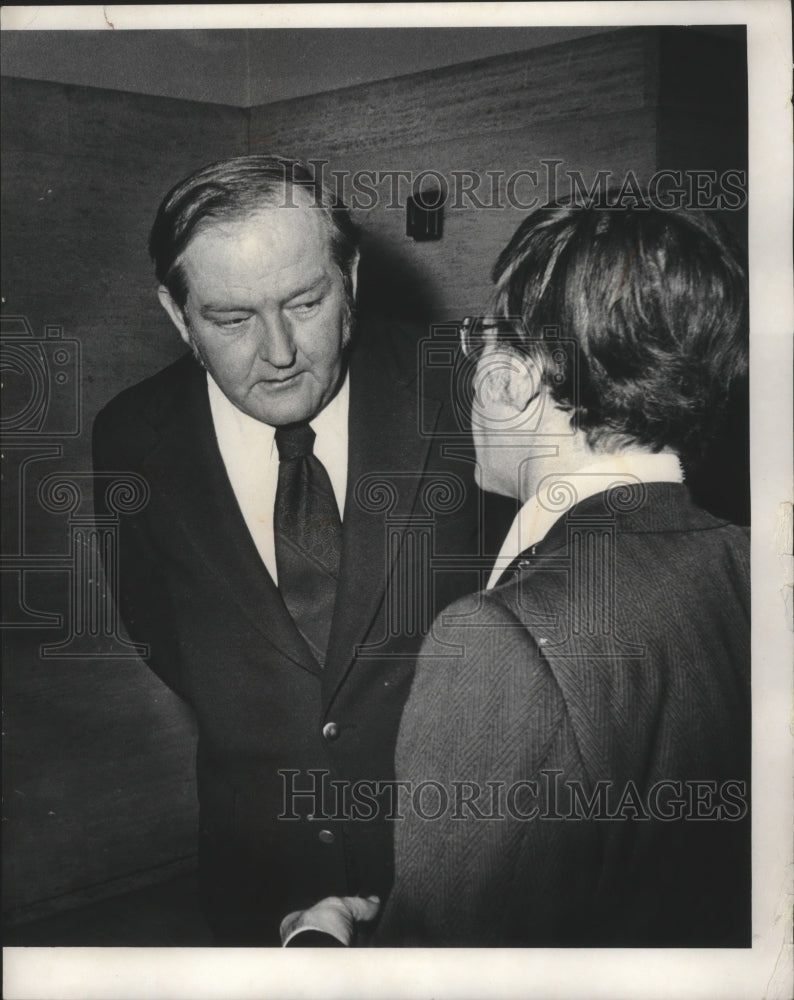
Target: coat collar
x,y
557,493
634,509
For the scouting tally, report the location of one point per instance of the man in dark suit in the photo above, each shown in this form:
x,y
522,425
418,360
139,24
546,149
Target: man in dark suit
x,y
577,769
281,573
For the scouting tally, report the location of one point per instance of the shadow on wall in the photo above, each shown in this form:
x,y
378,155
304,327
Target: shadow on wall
x,y
394,285
721,482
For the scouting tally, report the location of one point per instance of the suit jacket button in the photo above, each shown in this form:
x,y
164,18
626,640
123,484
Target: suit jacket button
x,y
330,730
326,837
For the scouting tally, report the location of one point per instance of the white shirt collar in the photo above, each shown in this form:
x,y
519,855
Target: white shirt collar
x,y
558,493
330,426
330,446
249,453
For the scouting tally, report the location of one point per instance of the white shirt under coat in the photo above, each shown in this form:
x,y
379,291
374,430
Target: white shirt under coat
x,y
249,453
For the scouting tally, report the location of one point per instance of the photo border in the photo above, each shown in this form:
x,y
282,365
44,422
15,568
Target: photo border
x,y
766,968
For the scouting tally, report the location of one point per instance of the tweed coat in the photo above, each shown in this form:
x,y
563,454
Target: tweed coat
x,y
580,736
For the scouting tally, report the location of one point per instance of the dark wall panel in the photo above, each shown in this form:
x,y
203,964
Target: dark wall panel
x,y
98,754
590,103
84,170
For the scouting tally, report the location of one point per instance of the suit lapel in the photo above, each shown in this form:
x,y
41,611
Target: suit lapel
x,y
188,465
384,447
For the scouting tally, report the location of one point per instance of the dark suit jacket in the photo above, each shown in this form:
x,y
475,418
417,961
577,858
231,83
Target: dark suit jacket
x,y
193,587
618,653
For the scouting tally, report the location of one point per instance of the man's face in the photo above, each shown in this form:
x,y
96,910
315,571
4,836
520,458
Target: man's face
x,y
266,312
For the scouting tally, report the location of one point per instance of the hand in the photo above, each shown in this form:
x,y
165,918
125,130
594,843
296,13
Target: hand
x,y
334,915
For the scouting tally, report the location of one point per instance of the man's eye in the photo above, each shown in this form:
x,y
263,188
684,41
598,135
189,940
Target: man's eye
x,y
306,307
231,322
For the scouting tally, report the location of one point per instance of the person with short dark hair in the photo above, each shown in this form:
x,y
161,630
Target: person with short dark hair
x,y
656,302
575,750
266,576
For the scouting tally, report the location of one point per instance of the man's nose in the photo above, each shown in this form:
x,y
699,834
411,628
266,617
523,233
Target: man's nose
x,y
276,345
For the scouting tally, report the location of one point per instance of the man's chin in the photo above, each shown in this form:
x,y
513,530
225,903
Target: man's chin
x,y
281,407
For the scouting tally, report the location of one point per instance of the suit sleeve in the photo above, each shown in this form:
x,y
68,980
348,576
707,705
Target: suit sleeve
x,y
479,860
136,581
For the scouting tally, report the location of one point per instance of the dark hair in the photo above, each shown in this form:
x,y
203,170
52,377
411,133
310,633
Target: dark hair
x,y
656,305
234,189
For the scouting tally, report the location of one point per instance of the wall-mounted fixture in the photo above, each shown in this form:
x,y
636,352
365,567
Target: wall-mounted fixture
x,y
424,218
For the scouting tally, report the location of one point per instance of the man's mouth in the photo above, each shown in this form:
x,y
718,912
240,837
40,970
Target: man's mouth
x,y
281,380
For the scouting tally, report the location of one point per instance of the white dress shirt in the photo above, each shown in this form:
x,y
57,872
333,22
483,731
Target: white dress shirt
x,y
556,495
248,449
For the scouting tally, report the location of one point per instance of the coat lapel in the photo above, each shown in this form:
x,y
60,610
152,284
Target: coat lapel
x,y
386,459
188,466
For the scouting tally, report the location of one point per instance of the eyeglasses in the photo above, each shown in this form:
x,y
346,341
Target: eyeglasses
x,y
479,332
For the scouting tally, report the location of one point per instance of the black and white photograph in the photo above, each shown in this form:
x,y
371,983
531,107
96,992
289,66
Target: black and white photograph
x,y
397,500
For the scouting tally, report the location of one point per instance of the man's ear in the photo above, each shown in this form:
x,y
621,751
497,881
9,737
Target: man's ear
x,y
506,385
175,313
354,274
524,382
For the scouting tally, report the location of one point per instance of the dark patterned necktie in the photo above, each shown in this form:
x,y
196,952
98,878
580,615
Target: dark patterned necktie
x,y
308,536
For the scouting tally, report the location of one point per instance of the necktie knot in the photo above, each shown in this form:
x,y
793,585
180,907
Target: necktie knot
x,y
294,441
